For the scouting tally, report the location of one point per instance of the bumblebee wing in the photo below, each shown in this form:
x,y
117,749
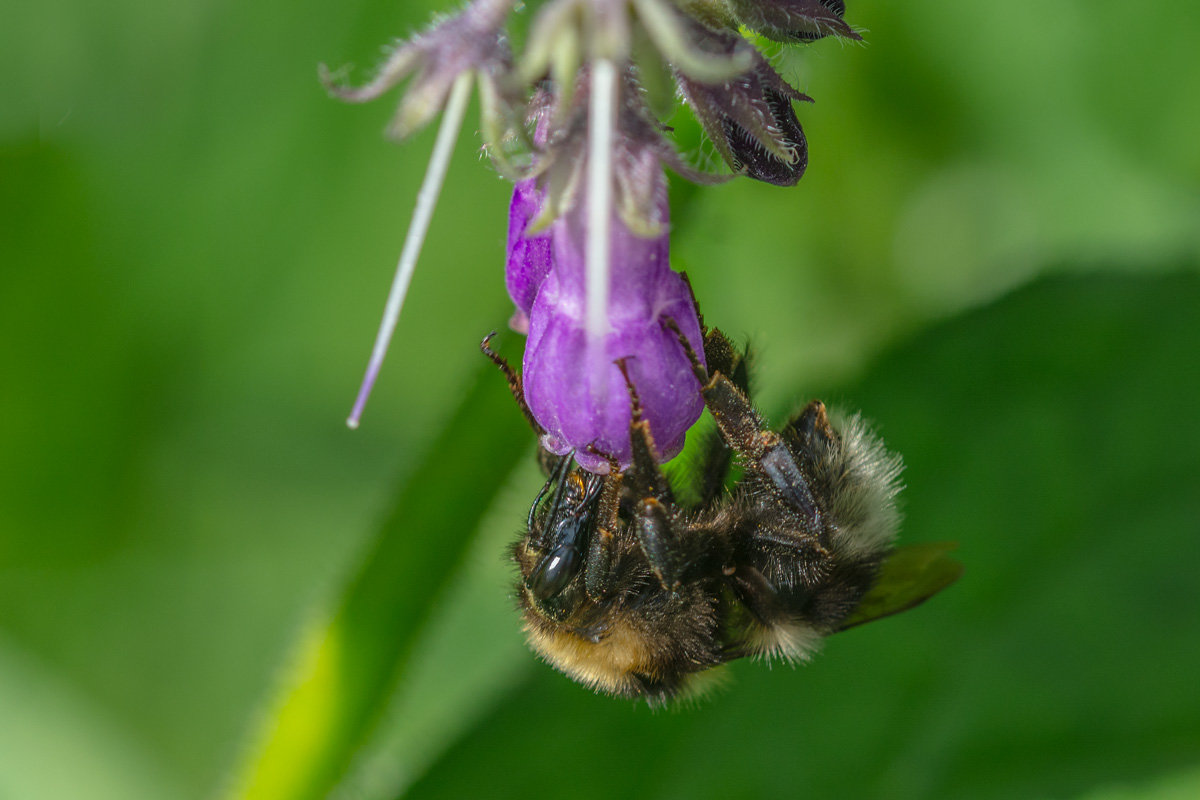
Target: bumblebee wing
x,y
911,575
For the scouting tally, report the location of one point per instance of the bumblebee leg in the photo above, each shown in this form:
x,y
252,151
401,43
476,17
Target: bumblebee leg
x,y
660,543
715,455
757,594
644,476
695,303
731,408
748,436
654,524
515,386
811,429
601,558
720,354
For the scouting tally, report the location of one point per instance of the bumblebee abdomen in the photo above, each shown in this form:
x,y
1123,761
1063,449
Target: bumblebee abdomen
x,y
650,645
609,664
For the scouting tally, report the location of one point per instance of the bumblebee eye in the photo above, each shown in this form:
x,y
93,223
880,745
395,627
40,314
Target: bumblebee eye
x,y
554,572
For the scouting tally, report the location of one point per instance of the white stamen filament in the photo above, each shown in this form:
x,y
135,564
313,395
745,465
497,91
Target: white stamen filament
x,y
601,121
431,187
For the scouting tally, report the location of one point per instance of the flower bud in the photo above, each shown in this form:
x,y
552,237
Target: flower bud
x,y
794,20
750,118
472,41
750,152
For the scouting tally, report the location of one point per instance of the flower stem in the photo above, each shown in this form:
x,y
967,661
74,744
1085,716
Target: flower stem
x,y
431,187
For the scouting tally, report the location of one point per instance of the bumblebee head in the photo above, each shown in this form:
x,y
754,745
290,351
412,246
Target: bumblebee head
x,y
554,550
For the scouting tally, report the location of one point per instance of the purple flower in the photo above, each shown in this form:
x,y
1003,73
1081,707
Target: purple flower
x,y
576,392
599,145
529,256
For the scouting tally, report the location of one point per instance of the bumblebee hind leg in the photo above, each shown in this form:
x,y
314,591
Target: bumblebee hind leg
x,y
854,474
801,569
762,450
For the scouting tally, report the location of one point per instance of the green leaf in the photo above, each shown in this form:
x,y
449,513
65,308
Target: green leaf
x,y
49,723
471,654
911,575
351,654
1052,434
1184,785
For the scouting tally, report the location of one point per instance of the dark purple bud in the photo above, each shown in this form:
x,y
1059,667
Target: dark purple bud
x,y
529,256
750,151
576,392
794,20
750,118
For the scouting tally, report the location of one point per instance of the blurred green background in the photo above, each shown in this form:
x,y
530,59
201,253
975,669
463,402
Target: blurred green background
x,y
210,588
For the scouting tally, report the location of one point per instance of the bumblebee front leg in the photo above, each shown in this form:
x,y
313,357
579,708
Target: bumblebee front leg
x,y
515,387
749,437
602,556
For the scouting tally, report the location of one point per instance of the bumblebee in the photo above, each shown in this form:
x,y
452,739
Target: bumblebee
x,y
632,592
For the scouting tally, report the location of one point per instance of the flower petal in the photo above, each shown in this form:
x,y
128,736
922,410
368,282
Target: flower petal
x,y
579,396
529,256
